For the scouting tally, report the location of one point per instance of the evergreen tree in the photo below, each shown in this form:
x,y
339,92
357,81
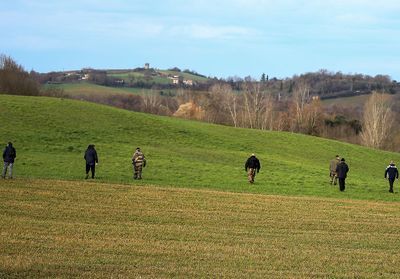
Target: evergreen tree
x,y
263,78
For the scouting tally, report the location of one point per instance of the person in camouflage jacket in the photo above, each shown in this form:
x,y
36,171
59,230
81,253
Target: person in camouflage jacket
x,y
139,162
332,169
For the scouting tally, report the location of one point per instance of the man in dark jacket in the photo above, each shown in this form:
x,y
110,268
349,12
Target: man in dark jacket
x,y
9,155
341,171
391,173
252,165
91,160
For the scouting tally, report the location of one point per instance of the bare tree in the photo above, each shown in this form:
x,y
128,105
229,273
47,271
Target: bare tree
x,y
254,104
184,96
301,96
313,117
232,103
151,102
282,122
268,115
378,120
223,94
212,102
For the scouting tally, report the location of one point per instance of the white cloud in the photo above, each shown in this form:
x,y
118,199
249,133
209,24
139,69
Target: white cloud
x,y
198,31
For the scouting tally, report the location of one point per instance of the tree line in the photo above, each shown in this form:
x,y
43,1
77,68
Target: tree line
x,y
15,80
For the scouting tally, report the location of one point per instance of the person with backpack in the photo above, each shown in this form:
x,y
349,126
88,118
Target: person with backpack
x,y
9,155
251,166
391,173
341,171
91,160
139,162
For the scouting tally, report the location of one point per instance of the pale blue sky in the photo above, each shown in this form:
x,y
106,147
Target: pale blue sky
x,y
217,38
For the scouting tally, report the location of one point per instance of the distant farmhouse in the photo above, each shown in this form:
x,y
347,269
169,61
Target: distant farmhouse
x,y
177,80
188,82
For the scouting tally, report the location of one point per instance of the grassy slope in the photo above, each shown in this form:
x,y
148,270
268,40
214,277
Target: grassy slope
x,y
185,75
90,89
141,77
51,135
157,79
346,101
61,229
82,229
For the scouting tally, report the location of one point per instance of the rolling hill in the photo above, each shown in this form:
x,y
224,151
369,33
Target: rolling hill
x,y
194,214
52,134
90,89
154,76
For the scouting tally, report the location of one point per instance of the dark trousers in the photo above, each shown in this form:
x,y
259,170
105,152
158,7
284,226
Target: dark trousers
x,y
92,168
342,184
391,185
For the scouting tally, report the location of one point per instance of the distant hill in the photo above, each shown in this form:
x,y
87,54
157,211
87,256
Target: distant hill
x,y
51,135
324,84
131,78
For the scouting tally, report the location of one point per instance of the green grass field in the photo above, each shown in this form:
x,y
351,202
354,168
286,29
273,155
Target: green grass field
x,y
185,75
137,76
347,101
90,89
52,134
194,214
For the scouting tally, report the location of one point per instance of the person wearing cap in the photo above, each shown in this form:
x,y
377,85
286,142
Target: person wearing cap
x,y
139,162
332,169
391,173
341,171
91,160
251,166
9,155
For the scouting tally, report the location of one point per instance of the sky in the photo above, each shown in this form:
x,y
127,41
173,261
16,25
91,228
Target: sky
x,y
223,38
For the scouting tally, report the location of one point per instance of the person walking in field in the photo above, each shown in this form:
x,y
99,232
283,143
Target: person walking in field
x,y
139,162
391,173
252,166
332,169
91,160
341,171
9,155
